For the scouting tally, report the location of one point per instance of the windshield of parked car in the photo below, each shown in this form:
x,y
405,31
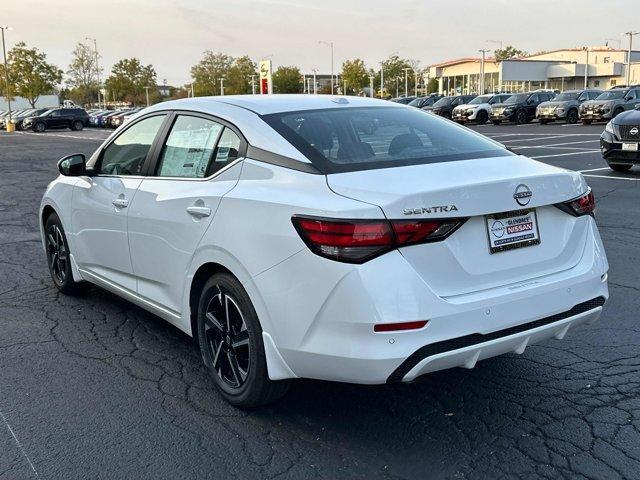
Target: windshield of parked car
x,y
349,139
566,96
47,112
519,98
480,99
444,101
416,101
612,95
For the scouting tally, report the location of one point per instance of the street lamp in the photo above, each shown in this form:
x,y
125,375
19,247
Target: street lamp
x,y
222,86
146,91
406,81
6,73
315,85
329,44
630,34
95,52
481,83
253,84
371,77
586,68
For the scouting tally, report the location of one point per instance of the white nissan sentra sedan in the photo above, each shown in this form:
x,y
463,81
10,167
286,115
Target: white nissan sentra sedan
x,y
334,238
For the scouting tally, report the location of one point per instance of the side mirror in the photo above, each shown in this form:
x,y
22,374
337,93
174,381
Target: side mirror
x,y
72,165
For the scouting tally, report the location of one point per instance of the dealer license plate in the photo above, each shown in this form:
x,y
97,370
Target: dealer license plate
x,y
630,147
507,231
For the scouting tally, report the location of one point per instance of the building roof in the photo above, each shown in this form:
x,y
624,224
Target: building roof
x,y
457,61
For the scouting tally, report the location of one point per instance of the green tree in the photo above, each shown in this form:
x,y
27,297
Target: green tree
x,y
239,76
287,80
30,74
394,75
82,75
207,72
508,52
128,80
354,74
432,85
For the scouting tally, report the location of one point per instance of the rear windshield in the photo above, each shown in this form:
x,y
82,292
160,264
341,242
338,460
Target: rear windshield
x,y
349,139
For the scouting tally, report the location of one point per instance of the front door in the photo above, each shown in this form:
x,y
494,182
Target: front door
x,y
174,207
101,202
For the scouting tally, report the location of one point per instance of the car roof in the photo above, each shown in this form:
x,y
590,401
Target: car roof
x,y
266,104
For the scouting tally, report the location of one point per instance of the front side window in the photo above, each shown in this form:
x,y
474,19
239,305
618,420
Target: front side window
x,y
349,139
189,147
126,154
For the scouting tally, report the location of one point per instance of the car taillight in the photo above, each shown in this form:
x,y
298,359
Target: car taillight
x,y
584,205
356,241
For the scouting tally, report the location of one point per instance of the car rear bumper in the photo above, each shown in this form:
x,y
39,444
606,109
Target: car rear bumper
x,y
330,335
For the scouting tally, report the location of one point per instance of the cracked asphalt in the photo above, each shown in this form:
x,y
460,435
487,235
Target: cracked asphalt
x,y
94,387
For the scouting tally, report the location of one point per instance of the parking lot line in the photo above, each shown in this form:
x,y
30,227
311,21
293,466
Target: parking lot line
x,y
61,135
594,169
546,134
584,149
534,139
583,152
613,178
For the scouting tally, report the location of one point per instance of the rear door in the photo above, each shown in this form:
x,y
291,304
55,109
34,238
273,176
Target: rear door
x,y
101,202
197,164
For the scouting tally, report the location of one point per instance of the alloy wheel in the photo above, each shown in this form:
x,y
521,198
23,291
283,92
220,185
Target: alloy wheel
x,y
227,339
57,254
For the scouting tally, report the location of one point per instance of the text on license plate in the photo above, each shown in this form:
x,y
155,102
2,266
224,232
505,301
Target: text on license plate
x,y
633,147
507,231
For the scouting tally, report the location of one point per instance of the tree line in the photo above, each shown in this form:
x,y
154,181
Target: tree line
x,y
130,81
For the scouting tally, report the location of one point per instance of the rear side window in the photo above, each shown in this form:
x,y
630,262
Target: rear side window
x,y
350,139
189,147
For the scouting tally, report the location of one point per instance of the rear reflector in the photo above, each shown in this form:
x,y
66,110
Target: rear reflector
x,y
584,205
395,327
356,241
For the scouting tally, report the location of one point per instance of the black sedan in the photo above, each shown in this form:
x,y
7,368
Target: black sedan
x,y
620,141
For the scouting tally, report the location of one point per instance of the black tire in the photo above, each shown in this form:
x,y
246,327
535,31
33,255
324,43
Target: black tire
x,y
619,167
617,112
543,122
572,116
481,117
58,261
39,127
587,122
232,348
521,117
77,125
496,122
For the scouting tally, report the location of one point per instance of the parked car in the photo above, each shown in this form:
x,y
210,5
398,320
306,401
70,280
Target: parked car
x,y
444,106
116,120
427,101
72,118
94,118
620,141
609,104
519,108
403,100
478,109
290,249
103,120
565,106
19,120
14,114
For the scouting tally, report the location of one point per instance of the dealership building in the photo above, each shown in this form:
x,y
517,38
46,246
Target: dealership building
x,y
559,69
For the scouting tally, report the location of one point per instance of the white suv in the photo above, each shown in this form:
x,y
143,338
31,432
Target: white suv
x,y
478,110
335,238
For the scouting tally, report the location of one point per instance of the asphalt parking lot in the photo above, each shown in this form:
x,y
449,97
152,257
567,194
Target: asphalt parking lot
x,y
94,387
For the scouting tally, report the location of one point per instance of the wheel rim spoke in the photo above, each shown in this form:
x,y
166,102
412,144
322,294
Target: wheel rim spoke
x,y
212,322
216,358
241,339
235,368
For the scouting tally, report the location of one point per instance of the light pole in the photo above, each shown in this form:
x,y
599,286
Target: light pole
x,y
253,84
146,91
481,83
586,68
329,44
222,86
6,73
381,80
415,84
630,34
406,81
315,85
95,53
371,77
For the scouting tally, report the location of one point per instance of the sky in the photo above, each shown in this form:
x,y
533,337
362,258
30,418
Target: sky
x,y
172,35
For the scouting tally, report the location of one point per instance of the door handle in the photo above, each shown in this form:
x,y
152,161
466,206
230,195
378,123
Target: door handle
x,y
120,202
198,211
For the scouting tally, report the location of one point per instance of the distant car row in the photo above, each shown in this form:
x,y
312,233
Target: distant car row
x,y
588,105
42,119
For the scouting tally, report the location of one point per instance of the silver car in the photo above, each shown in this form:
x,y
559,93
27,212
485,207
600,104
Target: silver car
x,y
609,104
565,106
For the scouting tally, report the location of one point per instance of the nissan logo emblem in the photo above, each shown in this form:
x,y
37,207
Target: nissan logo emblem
x,y
634,131
522,195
